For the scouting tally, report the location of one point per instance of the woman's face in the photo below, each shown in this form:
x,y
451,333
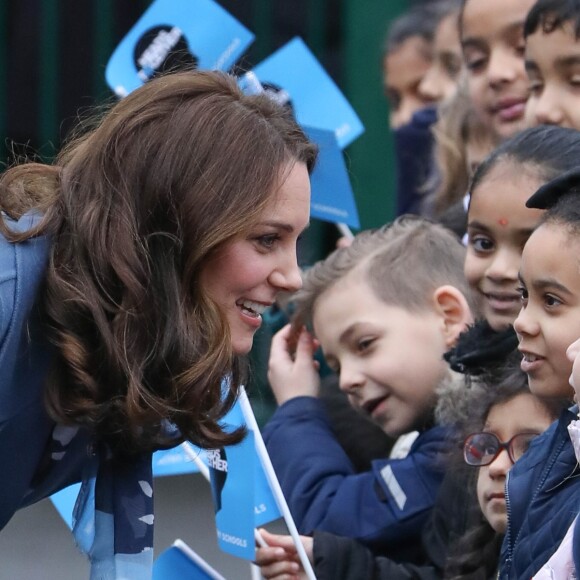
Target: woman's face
x,y
246,274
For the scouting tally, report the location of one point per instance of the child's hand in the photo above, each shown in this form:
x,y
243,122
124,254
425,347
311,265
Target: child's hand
x,y
293,373
280,561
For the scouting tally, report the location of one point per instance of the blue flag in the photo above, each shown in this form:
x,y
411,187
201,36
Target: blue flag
x,y
180,562
172,34
243,499
294,76
332,195
174,461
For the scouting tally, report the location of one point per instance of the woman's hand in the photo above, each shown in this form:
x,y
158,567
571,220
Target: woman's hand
x,y
280,561
293,372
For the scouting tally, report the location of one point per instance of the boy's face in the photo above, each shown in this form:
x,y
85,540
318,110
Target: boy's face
x,y
553,67
522,414
403,71
550,317
498,226
389,360
493,51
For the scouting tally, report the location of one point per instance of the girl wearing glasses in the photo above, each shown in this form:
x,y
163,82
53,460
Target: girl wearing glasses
x,y
510,419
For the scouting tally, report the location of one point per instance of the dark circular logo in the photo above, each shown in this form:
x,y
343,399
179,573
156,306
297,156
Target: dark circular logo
x,y
279,95
162,49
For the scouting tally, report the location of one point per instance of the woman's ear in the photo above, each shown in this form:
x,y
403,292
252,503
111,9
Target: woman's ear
x,y
452,306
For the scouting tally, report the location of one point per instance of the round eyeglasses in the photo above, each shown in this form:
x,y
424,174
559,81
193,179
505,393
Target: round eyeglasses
x,y
481,449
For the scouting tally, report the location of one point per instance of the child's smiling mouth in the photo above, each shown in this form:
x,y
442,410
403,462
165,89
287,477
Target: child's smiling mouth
x,y
503,300
369,407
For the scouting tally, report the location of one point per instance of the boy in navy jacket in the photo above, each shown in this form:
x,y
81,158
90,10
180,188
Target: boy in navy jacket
x,y
384,311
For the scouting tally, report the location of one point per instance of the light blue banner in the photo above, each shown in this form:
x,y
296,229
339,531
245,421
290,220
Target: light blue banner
x,y
300,81
180,562
173,33
174,462
243,499
332,196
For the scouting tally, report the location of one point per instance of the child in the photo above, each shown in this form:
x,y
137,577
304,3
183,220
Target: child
x,y
513,418
441,79
542,491
462,141
505,417
414,91
407,56
491,33
499,223
552,32
384,310
565,562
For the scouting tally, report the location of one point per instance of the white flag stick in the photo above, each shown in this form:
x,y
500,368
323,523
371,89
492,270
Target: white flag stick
x,y
209,570
204,470
195,457
255,572
274,483
345,231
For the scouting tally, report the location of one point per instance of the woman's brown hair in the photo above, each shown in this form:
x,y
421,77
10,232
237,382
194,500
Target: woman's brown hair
x,y
135,208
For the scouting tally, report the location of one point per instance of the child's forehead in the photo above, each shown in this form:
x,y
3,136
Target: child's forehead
x,y
408,60
350,284
553,253
486,19
559,44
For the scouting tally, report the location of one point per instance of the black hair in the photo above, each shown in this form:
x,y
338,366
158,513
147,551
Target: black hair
x,y
498,380
499,384
548,150
475,554
419,21
565,212
551,14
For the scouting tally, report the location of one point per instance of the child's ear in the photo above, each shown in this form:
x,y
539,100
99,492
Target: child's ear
x,y
451,305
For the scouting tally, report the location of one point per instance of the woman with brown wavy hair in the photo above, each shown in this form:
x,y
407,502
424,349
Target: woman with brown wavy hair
x,y
133,275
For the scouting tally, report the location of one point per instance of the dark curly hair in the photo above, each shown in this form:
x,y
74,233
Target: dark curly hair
x,y
135,208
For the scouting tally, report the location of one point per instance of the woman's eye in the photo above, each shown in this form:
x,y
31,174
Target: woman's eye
x,y
481,243
268,240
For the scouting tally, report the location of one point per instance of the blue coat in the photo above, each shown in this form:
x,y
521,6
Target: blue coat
x,y
414,161
543,498
384,508
25,356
